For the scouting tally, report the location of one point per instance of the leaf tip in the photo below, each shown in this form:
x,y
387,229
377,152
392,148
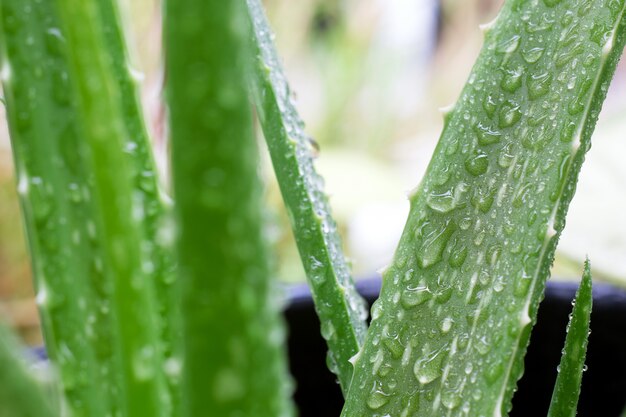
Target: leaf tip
x,y
587,279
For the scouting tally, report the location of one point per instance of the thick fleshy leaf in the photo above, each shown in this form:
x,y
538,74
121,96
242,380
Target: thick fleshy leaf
x,y
570,371
340,308
234,363
453,320
64,203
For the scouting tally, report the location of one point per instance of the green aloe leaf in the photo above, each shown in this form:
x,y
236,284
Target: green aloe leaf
x,y
147,186
339,307
567,387
453,320
118,212
148,192
63,202
20,394
55,186
233,337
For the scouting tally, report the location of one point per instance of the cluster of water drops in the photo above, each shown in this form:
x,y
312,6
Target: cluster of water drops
x,y
485,218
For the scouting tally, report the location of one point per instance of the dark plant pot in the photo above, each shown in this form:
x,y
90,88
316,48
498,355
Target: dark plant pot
x,y
604,383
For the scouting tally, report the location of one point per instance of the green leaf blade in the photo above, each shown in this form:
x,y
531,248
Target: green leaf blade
x,y
20,394
340,308
147,189
55,188
118,212
458,301
567,386
233,336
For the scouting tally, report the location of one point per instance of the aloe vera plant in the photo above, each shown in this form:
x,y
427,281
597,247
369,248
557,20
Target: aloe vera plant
x,y
567,386
457,303
139,324
339,307
239,369
73,202
19,393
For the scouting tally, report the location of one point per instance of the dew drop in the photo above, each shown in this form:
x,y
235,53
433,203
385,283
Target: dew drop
x,y
446,325
384,370
510,114
414,296
477,394
432,249
465,223
327,330
452,147
486,135
539,85
482,346
54,41
489,105
429,368
506,158
509,46
377,360
493,254
377,310
143,363
576,106
377,399
522,195
568,133
463,341
522,286
173,367
498,284
331,362
458,256
228,385
483,200
393,345
442,176
532,55
512,80
477,164
74,192
40,200
494,372
532,26
442,203
479,237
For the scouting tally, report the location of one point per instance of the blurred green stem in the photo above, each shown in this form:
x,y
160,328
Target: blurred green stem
x,y
20,395
233,337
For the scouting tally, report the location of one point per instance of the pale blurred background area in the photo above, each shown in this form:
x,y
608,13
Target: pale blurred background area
x,y
369,77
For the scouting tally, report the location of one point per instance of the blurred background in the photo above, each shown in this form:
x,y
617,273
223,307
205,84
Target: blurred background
x,y
370,76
